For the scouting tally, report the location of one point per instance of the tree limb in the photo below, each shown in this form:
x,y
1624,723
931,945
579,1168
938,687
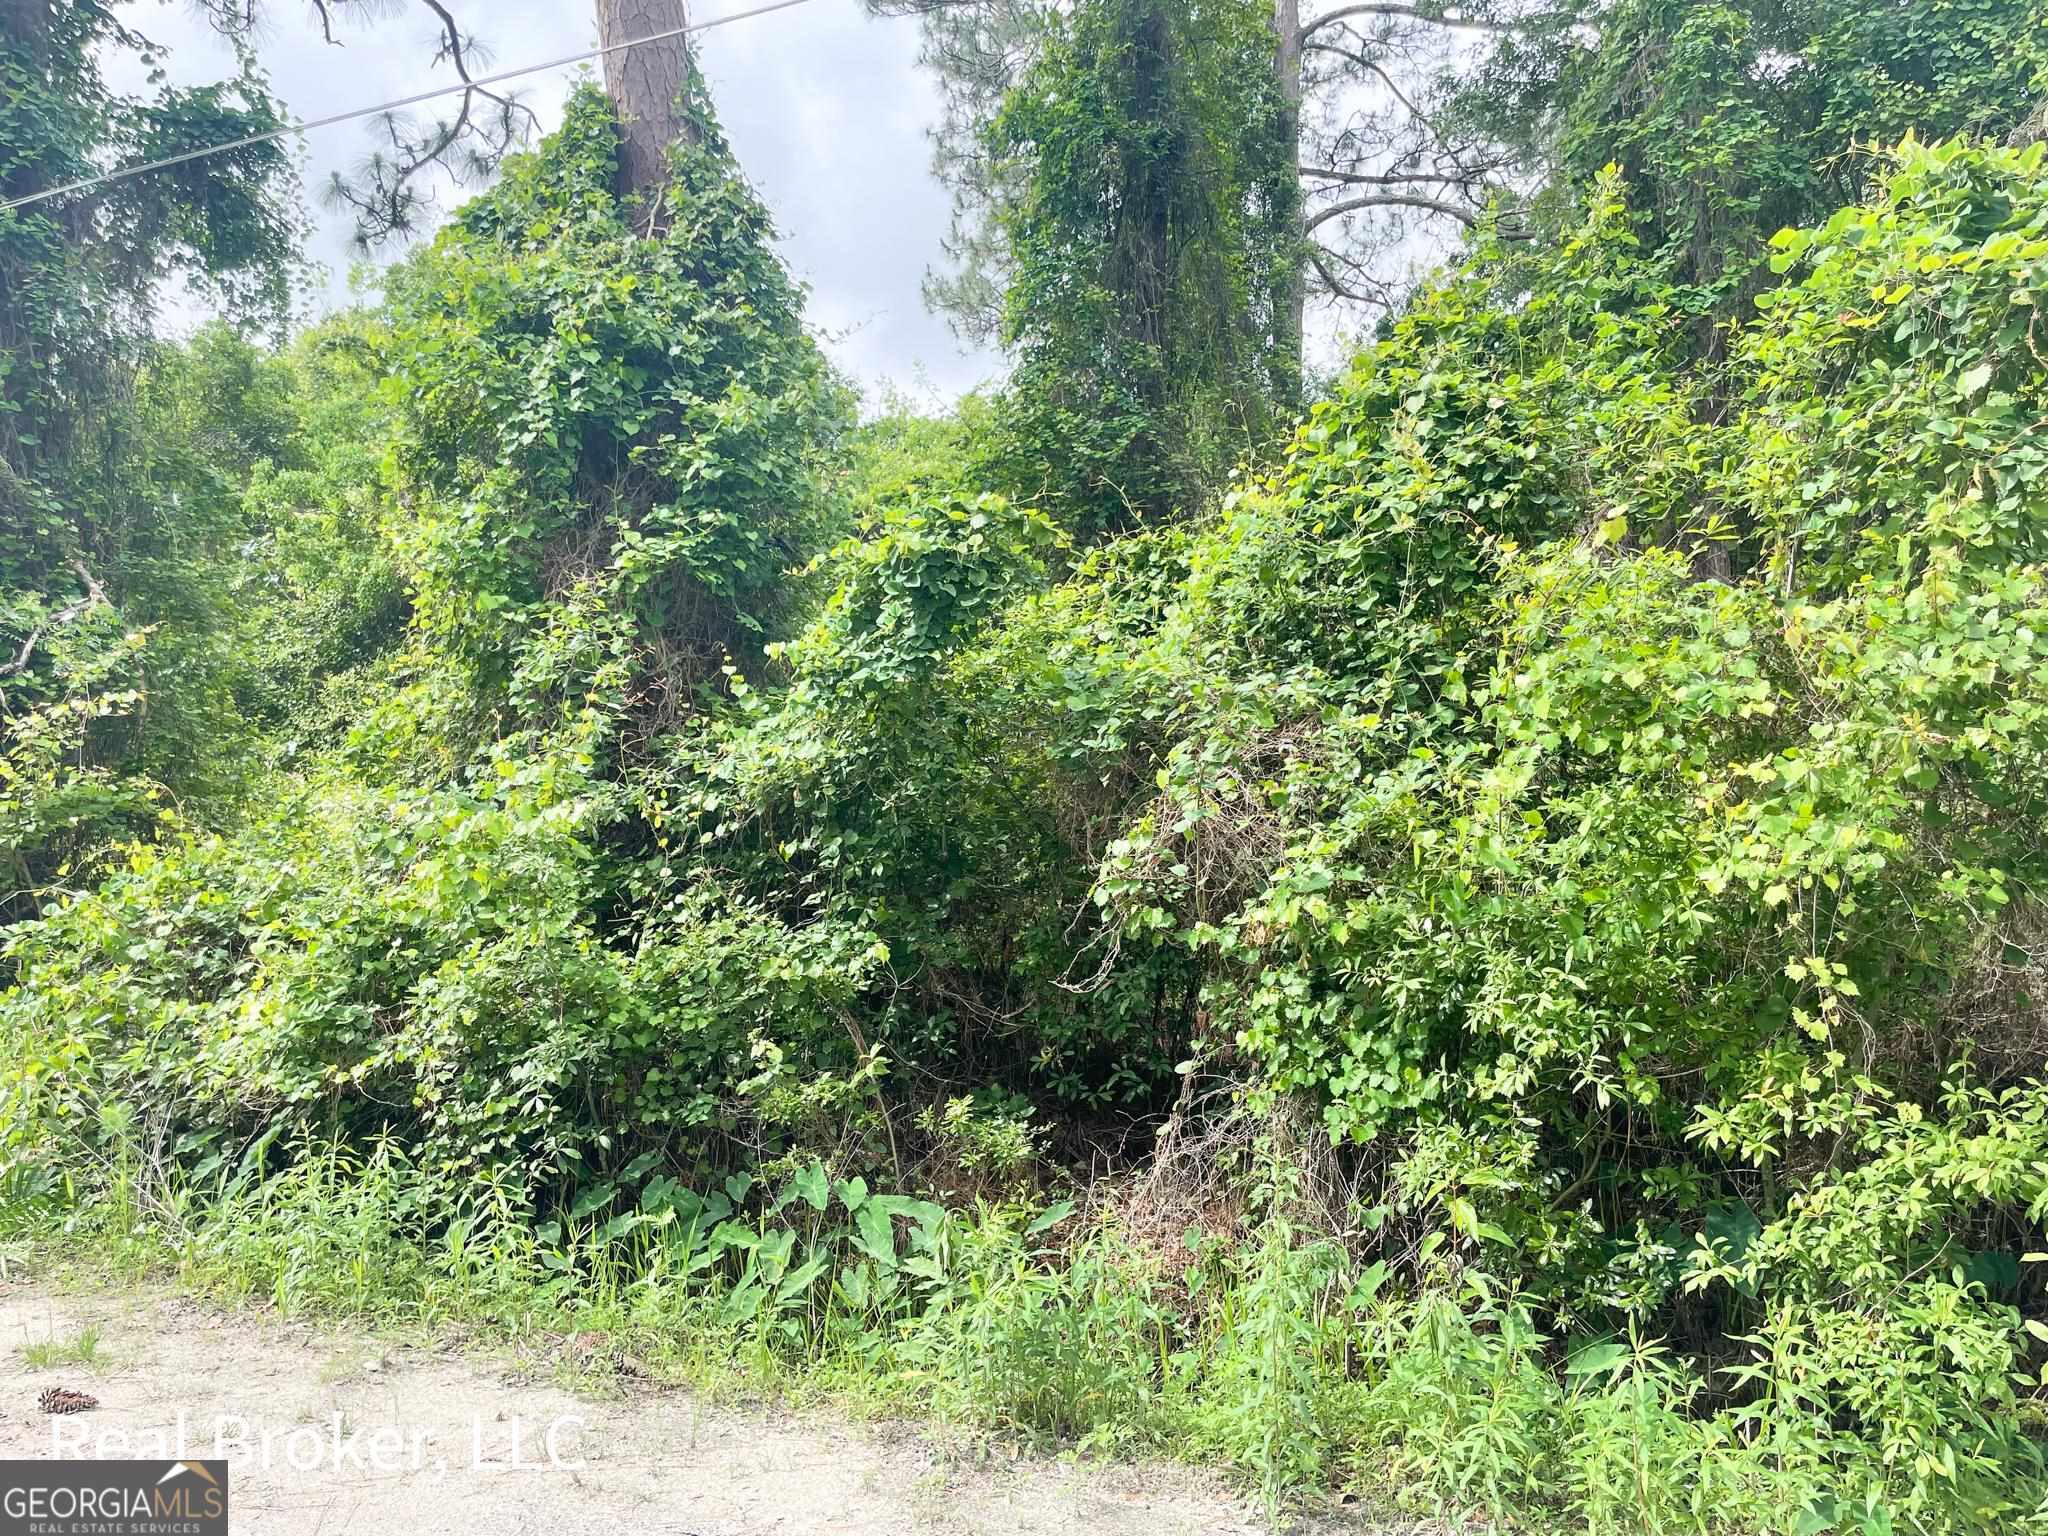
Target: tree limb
x,y
1464,216
95,596
1373,67
94,592
1435,18
1393,179
467,145
455,48
1316,255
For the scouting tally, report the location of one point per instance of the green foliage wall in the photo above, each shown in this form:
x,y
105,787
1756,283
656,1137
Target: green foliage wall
x,y
110,537
1669,928
1733,120
1593,778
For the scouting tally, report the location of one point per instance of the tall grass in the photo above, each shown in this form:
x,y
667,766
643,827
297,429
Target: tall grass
x,y
1278,1357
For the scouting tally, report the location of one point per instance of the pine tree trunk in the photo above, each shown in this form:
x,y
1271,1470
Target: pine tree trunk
x,y
1287,71
644,84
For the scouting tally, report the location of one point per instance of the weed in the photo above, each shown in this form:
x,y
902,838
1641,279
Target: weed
x,y
81,1349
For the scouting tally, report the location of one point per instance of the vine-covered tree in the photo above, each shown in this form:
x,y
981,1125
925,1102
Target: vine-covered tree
x,y
91,507
1150,238
610,433
1385,168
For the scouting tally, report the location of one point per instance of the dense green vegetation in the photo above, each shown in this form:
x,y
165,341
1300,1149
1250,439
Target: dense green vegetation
x,y
1732,120
1484,946
110,526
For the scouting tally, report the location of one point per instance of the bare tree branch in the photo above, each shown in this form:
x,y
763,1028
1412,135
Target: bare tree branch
x,y
388,191
1371,67
1322,216
1433,16
1318,258
1392,179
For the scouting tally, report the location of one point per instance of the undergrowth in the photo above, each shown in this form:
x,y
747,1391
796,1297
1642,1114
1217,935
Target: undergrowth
x,y
1279,1356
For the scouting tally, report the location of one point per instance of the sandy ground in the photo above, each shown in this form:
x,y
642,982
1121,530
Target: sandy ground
x,y
438,1440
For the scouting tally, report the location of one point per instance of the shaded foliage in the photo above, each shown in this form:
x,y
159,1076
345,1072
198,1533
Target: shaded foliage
x,y
108,535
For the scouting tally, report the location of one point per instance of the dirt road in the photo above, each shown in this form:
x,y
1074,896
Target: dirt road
x,y
329,1431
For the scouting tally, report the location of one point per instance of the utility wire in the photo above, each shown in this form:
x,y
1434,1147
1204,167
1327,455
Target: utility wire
x,y
390,106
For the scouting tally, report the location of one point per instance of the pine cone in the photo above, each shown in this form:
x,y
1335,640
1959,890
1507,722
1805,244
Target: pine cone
x,y
64,1400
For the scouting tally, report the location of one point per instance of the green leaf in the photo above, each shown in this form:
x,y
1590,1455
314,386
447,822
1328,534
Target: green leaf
x,y
1051,1217
874,1233
1597,1359
798,1280
1368,1283
813,1186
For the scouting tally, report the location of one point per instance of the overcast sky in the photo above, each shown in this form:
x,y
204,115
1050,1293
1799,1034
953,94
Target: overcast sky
x,y
825,106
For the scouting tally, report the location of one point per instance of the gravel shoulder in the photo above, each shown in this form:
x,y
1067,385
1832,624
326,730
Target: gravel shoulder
x,y
331,1430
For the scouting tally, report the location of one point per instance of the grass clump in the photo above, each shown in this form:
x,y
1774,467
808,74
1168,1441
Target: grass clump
x,y
1274,1351
81,1348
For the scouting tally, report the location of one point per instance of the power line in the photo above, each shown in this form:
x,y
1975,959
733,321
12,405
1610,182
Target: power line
x,y
459,87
